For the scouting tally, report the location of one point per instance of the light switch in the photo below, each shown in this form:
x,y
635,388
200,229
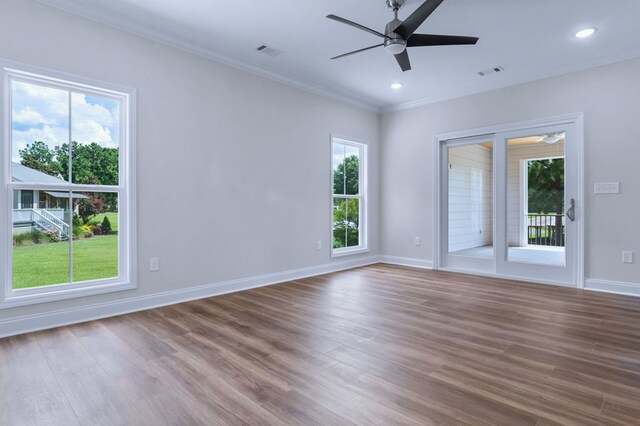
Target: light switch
x,y
606,188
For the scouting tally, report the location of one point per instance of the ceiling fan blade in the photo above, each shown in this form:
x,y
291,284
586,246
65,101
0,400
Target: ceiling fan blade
x,y
417,40
411,24
353,24
357,51
403,60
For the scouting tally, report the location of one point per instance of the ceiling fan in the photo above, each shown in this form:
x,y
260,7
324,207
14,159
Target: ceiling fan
x,y
552,138
398,35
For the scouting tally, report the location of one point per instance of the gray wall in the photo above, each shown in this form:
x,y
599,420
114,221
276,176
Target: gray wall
x,y
610,99
254,153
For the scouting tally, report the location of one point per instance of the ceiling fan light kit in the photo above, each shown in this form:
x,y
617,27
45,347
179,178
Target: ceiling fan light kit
x,y
398,35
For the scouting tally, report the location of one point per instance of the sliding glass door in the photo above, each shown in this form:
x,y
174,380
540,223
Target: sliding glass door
x,y
508,204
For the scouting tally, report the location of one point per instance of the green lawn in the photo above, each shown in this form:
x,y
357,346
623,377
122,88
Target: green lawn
x,y
46,264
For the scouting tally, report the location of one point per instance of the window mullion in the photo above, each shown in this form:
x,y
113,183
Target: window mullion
x,y
70,205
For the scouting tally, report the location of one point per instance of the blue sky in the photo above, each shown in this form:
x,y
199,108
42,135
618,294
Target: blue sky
x,y
41,113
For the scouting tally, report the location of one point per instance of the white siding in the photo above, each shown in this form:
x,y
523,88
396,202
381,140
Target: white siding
x,y
470,197
515,212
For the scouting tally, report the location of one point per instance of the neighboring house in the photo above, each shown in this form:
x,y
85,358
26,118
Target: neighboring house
x,y
46,211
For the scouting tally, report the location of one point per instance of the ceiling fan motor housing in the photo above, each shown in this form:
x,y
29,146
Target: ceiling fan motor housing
x,y
394,44
395,4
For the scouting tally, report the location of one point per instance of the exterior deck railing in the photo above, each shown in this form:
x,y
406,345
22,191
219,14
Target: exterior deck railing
x,y
26,215
546,230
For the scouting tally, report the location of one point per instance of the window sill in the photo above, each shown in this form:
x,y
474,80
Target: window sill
x,y
349,252
68,291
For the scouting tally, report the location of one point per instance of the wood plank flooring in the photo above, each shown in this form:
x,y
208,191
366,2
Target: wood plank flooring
x,y
375,345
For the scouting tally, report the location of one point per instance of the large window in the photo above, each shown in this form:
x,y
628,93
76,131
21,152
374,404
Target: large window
x,y
66,164
349,205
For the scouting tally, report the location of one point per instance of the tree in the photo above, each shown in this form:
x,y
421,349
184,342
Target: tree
x,y
91,164
350,169
346,223
39,157
546,186
90,207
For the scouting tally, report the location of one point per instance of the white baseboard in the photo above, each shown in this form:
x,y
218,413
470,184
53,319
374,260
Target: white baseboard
x,y
629,289
407,261
58,318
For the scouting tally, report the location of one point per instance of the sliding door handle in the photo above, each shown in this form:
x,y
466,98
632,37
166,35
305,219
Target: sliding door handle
x,y
571,213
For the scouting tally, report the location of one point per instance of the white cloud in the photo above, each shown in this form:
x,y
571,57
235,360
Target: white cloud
x,y
30,117
93,122
42,114
88,131
52,103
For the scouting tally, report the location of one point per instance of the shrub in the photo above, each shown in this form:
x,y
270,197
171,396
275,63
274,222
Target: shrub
x,y
19,239
76,231
97,230
106,225
53,236
76,220
36,237
88,234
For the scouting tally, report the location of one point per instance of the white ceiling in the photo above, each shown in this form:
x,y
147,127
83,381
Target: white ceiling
x,y
531,39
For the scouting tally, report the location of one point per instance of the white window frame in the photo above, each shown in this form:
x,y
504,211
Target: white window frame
x,y
127,268
363,185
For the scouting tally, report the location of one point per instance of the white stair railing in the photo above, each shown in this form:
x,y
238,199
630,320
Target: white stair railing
x,y
49,222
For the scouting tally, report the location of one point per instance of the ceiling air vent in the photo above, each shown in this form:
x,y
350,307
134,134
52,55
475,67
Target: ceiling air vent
x,y
269,51
493,70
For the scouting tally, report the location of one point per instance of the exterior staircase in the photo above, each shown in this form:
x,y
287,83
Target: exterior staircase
x,y
47,222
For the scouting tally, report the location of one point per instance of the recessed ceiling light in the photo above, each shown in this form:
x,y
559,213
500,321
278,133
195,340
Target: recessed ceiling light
x,y
396,86
587,32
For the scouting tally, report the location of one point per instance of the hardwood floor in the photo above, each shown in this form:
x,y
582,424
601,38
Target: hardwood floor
x,y
375,345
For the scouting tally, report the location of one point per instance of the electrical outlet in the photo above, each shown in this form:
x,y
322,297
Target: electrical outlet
x,y
417,241
154,264
627,257
319,245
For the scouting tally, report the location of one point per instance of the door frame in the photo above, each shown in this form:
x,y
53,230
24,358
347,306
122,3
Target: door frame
x,y
576,119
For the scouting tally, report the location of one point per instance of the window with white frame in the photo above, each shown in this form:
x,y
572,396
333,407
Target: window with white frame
x,y
349,189
67,179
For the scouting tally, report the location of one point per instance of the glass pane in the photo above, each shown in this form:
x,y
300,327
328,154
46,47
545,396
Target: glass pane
x,y
40,239
353,222
352,170
535,199
95,236
338,168
95,132
39,133
339,223
471,200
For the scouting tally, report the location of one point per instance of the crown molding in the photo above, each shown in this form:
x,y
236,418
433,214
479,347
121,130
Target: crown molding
x,y
521,78
176,43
